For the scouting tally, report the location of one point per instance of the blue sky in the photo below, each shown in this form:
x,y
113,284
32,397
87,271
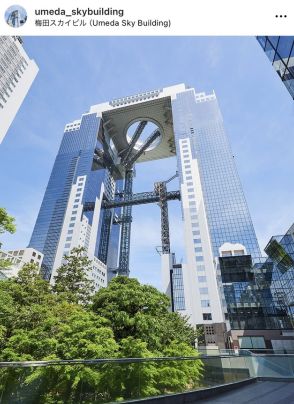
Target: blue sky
x,y
77,72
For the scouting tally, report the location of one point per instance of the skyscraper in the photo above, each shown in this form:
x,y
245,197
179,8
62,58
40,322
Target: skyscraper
x,y
280,52
214,207
17,73
85,204
77,177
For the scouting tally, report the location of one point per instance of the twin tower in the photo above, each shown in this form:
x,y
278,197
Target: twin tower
x,y
89,198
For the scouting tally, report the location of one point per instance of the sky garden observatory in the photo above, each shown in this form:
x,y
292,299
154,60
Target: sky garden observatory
x,y
89,198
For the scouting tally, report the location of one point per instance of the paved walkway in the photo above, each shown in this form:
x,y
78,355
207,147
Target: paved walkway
x,y
267,392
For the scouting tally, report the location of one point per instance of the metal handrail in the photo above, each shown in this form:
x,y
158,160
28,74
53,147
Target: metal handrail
x,y
120,360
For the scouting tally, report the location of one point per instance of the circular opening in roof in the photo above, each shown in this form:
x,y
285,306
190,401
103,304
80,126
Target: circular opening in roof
x,y
144,129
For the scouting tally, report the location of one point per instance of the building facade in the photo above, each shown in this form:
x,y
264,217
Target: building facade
x,y
257,295
17,259
17,73
89,195
77,178
214,207
280,52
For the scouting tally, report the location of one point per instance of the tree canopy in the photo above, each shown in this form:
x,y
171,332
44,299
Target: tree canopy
x,y
126,319
7,224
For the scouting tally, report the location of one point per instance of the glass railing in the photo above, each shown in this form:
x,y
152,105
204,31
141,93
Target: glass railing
x,y
116,380
107,380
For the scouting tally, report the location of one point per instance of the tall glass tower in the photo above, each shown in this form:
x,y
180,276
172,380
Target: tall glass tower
x,y
280,52
78,178
215,212
98,152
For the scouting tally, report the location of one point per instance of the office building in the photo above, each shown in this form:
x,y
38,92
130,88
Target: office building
x,y
280,251
17,73
89,196
78,177
257,295
280,52
17,259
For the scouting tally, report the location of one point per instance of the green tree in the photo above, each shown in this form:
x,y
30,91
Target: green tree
x,y
6,222
126,320
6,225
72,279
141,311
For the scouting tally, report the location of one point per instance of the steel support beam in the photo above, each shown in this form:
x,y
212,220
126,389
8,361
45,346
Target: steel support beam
x,y
105,235
154,135
134,140
161,191
140,199
124,253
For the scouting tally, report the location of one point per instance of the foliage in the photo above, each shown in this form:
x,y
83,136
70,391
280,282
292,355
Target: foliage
x,y
6,222
6,225
141,311
72,280
126,319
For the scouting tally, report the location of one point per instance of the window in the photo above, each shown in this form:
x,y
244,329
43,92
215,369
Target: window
x,y
251,342
78,194
196,232
226,253
75,206
207,316
71,225
200,267
239,252
77,200
32,261
74,212
34,254
39,257
197,241
202,279
67,245
68,238
79,189
70,232
189,177
203,291
205,303
198,249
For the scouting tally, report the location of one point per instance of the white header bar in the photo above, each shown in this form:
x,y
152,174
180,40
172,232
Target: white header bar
x,y
152,17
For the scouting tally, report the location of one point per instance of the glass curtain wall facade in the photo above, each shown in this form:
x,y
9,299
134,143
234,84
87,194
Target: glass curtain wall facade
x,y
226,209
280,52
253,295
280,250
72,183
214,208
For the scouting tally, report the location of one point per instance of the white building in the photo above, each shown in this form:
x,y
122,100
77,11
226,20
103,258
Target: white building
x,y
17,73
18,258
91,165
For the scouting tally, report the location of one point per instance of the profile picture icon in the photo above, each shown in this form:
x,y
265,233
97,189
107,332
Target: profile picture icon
x,y
16,16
